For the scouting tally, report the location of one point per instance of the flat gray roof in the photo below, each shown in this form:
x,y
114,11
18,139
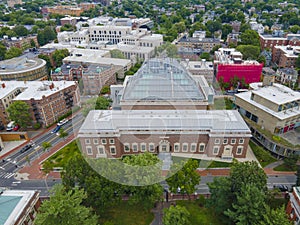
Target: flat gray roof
x,y
102,121
33,89
17,65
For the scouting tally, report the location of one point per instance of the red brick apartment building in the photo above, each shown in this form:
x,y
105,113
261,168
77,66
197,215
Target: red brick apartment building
x,y
47,100
270,41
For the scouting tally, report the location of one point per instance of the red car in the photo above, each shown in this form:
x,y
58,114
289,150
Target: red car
x,y
17,127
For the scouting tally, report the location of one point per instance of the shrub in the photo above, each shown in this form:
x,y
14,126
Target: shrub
x,y
37,126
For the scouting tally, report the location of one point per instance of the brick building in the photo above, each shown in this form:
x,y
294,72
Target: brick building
x,y
114,133
74,10
204,44
229,63
293,206
19,207
285,56
47,100
21,42
269,41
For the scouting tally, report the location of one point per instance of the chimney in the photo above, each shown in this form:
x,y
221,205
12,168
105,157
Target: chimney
x,y
3,85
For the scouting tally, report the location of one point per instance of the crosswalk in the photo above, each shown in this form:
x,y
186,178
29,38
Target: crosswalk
x,y
6,175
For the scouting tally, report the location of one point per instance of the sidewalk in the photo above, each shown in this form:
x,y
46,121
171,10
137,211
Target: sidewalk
x,y
33,171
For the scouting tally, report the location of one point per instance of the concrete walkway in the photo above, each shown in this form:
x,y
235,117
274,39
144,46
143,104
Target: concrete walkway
x,y
274,164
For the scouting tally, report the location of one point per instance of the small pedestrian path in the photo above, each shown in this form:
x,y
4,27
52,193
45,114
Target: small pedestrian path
x,y
158,212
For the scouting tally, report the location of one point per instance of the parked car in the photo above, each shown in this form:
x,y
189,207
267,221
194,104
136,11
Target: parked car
x,y
25,148
10,126
16,127
56,129
281,187
62,122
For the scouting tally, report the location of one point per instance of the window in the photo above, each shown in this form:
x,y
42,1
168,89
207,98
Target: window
x,y
225,141
134,147
112,150
111,141
101,149
193,147
89,150
233,141
201,147
87,141
217,141
103,141
185,147
241,141
151,147
239,150
126,147
95,141
176,147
143,147
216,150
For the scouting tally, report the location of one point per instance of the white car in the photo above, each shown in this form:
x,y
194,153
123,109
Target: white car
x,y
62,122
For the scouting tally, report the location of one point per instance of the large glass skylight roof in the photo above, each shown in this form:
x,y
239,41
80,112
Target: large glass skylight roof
x,y
162,79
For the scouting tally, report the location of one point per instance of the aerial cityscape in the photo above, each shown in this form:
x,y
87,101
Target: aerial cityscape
x,y
130,112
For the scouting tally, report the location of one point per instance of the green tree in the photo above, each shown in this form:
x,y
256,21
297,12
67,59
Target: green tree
x,y
116,53
225,191
12,52
59,55
205,55
291,162
65,207
105,90
249,205
249,51
2,51
250,37
62,133
226,29
221,195
19,112
46,145
143,171
275,217
102,103
294,29
20,30
171,50
176,215
262,59
101,192
185,178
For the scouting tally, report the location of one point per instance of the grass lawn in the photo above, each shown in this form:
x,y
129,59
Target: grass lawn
x,y
204,163
283,167
60,158
222,103
218,164
200,215
125,213
262,155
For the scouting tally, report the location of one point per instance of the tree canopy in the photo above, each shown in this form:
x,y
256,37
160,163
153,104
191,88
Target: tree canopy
x,y
250,37
186,178
19,112
229,193
65,207
176,215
